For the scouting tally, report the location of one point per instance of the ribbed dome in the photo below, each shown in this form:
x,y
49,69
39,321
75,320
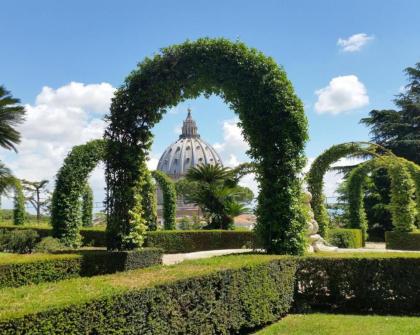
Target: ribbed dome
x,y
189,151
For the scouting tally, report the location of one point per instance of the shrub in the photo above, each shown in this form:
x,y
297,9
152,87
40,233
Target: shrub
x,y
219,302
46,268
49,244
177,241
359,285
402,241
19,241
346,238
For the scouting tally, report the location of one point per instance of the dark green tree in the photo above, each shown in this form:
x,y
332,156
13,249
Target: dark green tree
x,y
11,115
399,130
37,195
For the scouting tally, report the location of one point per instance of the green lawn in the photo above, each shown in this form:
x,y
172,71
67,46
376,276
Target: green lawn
x,y
331,324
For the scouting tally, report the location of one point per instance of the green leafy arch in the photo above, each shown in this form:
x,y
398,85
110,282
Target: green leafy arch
x,y
315,176
404,177
169,198
257,90
70,184
87,206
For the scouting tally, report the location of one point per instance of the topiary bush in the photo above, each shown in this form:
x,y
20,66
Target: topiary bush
x,y
49,244
346,238
255,87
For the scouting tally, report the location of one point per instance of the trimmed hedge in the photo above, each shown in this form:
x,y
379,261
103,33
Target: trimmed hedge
x,y
180,241
171,241
402,241
221,302
346,238
81,264
359,285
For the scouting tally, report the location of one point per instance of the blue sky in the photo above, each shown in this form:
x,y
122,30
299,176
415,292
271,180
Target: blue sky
x,y
54,43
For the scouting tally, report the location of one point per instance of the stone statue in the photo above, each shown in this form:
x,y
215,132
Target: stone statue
x,y
316,242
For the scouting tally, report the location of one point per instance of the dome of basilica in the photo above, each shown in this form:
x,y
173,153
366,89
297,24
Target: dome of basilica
x,y
188,151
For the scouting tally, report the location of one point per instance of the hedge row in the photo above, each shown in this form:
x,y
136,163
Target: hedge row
x,y
224,302
359,285
82,264
171,241
346,238
178,241
402,241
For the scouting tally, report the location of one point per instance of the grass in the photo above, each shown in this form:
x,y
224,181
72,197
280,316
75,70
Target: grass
x,y
36,298
9,258
332,324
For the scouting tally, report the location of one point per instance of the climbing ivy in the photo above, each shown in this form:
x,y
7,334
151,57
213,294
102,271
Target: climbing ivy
x,y
19,212
322,164
87,206
270,114
149,200
167,186
402,206
70,183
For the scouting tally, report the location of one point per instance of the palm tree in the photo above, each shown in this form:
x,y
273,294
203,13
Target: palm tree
x,y
214,189
11,115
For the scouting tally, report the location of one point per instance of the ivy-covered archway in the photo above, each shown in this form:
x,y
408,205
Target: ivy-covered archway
x,y
69,186
404,177
322,164
271,117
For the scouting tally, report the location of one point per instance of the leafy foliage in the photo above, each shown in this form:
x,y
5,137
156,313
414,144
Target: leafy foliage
x,y
11,115
149,202
19,241
37,195
403,240
321,165
87,206
19,212
70,183
399,130
255,87
228,301
402,206
214,189
346,238
169,198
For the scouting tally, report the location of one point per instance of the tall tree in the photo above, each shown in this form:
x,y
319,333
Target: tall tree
x,y
11,115
399,130
37,194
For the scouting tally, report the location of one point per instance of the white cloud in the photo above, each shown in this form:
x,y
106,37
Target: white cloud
x,y
343,93
91,97
354,43
60,119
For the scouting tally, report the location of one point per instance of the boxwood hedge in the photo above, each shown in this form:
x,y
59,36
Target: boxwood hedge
x,y
402,241
222,302
34,269
171,241
346,238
